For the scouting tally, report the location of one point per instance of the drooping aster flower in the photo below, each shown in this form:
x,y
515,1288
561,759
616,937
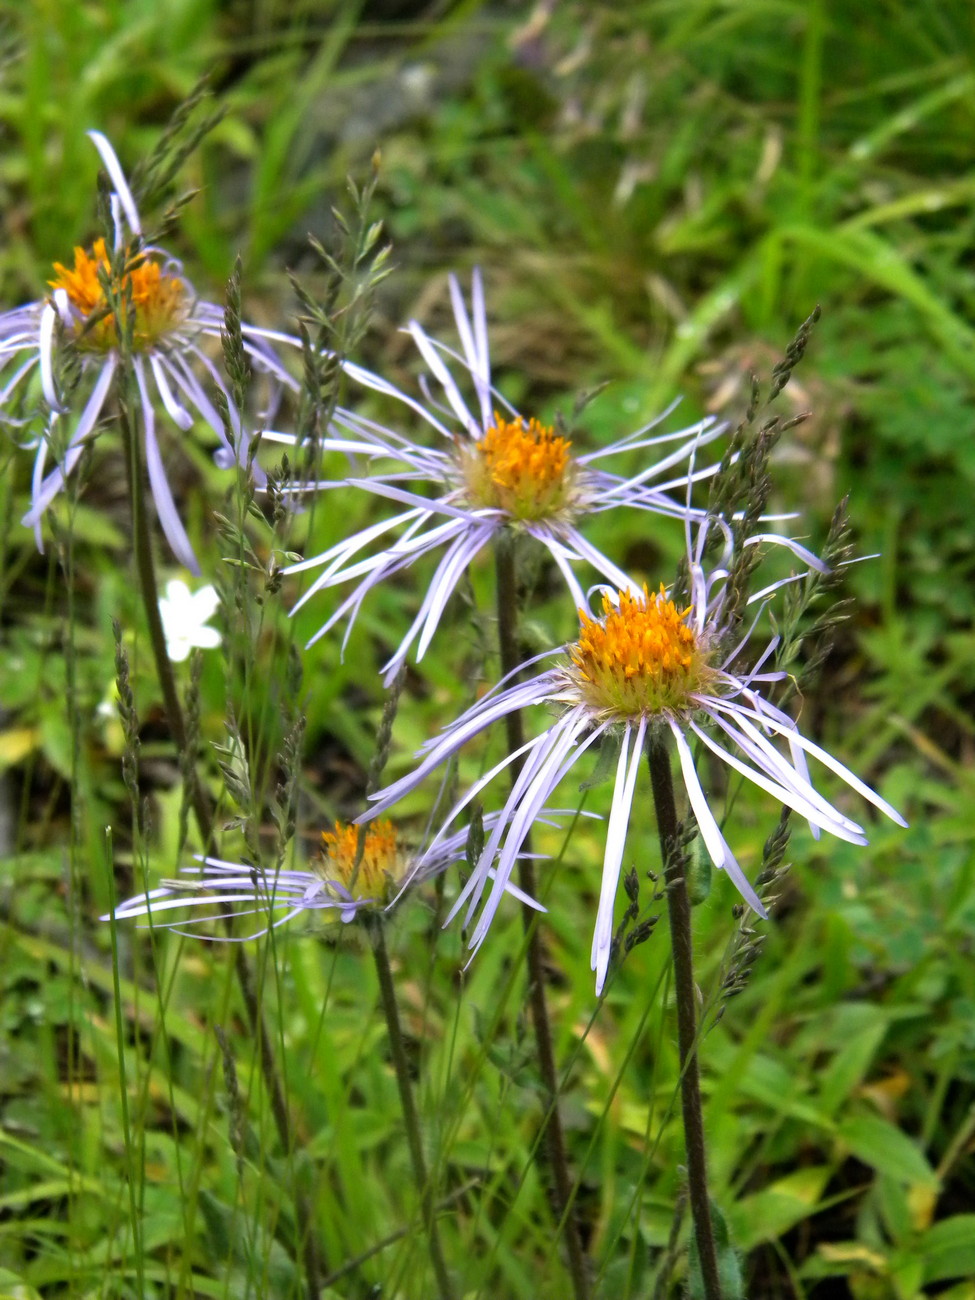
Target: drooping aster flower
x,y
332,885
642,665
170,327
495,470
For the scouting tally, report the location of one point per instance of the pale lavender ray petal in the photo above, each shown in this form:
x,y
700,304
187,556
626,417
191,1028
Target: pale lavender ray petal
x,y
114,169
627,443
179,415
369,380
438,843
36,480
449,573
775,775
24,368
600,562
351,545
437,751
399,555
217,379
86,422
352,602
388,561
675,457
190,900
45,351
162,496
743,641
519,894
714,841
444,378
439,506
474,341
840,770
187,383
535,690
800,552
529,793
627,769
265,361
560,554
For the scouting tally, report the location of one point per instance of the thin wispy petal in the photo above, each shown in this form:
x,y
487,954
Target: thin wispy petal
x,y
627,769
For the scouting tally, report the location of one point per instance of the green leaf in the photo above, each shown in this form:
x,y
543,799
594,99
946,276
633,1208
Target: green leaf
x,y
729,1266
13,1287
884,1147
948,1249
767,1214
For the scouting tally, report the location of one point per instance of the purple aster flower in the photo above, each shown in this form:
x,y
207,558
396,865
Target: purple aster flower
x,y
171,366
495,470
642,665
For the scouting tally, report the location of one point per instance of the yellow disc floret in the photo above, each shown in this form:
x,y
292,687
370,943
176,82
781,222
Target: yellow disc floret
x,y
526,470
640,659
158,300
381,868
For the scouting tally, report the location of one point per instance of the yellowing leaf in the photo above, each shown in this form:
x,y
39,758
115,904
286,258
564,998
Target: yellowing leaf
x,y
16,744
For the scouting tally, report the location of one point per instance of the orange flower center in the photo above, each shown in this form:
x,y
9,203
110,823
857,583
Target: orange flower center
x,y
524,469
157,300
640,658
381,868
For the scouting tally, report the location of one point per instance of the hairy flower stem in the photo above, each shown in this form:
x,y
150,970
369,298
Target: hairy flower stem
x,y
149,590
401,1066
563,1203
679,907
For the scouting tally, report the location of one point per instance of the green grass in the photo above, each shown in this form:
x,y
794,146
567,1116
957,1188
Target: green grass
x,y
659,194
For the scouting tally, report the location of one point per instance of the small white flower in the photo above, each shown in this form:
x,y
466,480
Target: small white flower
x,y
184,617
643,665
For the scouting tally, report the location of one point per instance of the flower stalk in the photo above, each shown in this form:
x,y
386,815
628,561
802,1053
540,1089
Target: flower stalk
x,y
149,591
401,1067
679,909
563,1201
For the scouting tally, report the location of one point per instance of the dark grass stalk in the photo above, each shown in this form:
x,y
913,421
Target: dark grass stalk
x,y
140,831
401,1067
203,813
132,1181
387,995
557,1159
65,540
679,908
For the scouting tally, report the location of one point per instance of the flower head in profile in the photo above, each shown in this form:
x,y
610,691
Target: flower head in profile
x,y
357,870
642,666
166,334
494,470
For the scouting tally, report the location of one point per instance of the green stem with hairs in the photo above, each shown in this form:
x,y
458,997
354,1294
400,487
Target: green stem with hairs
x,y
679,909
203,813
563,1203
401,1067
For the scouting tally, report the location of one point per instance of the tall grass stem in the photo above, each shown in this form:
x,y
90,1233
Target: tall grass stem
x,y
679,909
149,591
563,1203
401,1066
